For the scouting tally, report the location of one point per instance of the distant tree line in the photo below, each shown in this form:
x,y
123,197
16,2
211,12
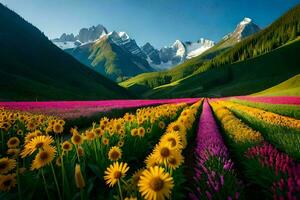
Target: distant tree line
x,y
285,29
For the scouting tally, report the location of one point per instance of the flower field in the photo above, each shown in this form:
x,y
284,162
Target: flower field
x,y
75,109
226,148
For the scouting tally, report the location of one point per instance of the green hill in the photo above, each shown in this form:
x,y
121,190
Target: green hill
x,y
240,78
290,87
252,56
110,60
31,67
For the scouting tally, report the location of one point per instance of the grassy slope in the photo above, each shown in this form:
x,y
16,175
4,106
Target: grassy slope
x,y
147,81
110,60
281,109
290,87
31,67
239,78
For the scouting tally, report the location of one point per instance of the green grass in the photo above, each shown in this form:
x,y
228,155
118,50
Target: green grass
x,y
281,109
290,87
284,138
239,78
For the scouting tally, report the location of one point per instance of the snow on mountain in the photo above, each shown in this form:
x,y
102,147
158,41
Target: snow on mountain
x,y
244,29
123,40
166,57
84,36
196,48
176,53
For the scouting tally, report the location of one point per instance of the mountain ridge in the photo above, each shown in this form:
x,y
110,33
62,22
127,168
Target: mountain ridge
x,y
41,70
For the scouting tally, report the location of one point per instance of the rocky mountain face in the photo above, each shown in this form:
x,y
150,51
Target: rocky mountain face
x,y
244,29
176,53
66,41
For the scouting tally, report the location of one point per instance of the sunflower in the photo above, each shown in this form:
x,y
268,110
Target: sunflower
x,y
7,165
77,139
43,158
66,146
175,160
134,132
173,138
178,127
155,184
151,161
58,161
161,125
90,135
115,172
163,152
13,152
58,128
104,121
130,198
105,141
80,151
19,132
141,131
148,130
99,132
136,177
13,142
36,143
115,153
79,180
32,135
7,182
120,143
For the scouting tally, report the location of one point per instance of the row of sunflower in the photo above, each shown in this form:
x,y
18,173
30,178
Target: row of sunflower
x,y
274,127
42,162
266,116
262,165
155,181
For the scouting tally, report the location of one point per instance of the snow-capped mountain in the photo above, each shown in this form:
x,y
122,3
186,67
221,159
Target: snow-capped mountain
x,y
244,29
85,35
176,53
123,40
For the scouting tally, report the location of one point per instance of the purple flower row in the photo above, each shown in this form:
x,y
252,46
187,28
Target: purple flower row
x,y
214,167
272,100
286,183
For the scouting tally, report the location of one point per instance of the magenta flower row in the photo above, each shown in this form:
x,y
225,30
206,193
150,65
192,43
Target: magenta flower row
x,y
210,145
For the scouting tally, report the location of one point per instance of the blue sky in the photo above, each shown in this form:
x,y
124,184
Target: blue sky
x,y
160,22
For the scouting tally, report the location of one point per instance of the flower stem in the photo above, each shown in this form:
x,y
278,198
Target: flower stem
x,y
120,190
55,180
18,181
63,175
81,194
45,185
95,151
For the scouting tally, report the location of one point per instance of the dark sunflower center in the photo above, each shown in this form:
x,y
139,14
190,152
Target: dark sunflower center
x,y
77,138
172,141
176,128
7,183
44,156
13,141
117,175
114,155
66,146
172,161
3,165
156,184
39,145
164,152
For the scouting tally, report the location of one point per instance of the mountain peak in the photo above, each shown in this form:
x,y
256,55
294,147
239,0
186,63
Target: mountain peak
x,y
244,29
245,21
